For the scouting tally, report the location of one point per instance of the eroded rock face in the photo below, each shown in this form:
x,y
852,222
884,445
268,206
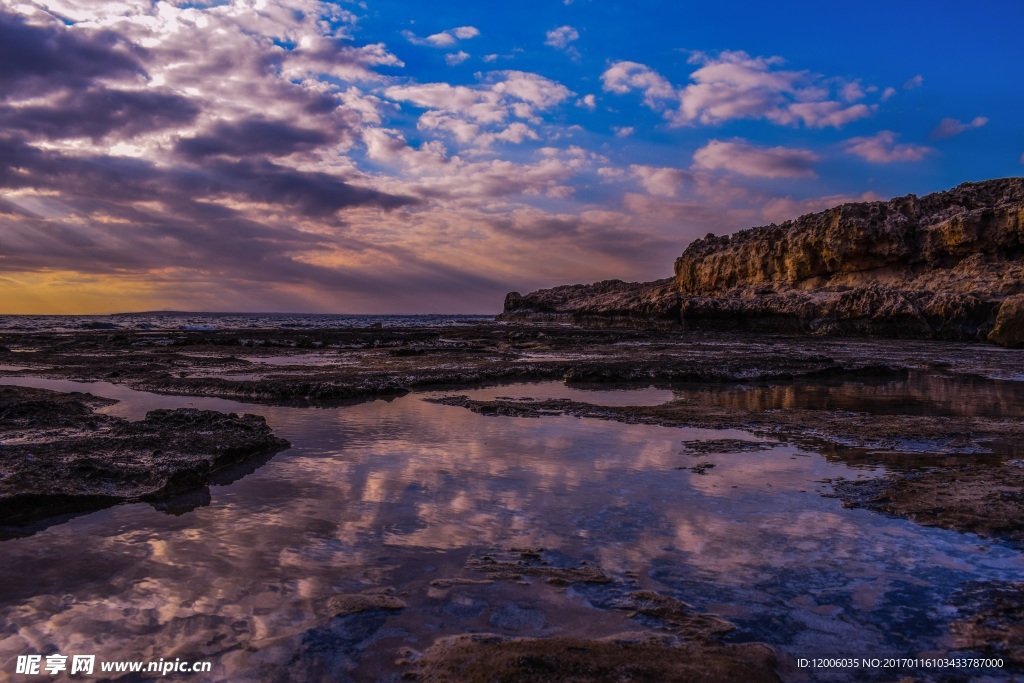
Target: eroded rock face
x,y
967,240
935,267
931,267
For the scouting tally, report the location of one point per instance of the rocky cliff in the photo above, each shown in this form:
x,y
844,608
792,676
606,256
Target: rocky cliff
x,y
948,265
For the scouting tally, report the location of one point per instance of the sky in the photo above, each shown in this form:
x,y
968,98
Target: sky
x,y
409,157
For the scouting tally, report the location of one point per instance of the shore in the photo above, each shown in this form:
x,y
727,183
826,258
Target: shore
x,y
840,396
945,420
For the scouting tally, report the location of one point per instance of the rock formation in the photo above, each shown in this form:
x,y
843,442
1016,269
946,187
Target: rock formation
x,y
608,301
949,265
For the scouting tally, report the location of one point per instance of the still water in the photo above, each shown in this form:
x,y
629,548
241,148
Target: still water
x,y
397,494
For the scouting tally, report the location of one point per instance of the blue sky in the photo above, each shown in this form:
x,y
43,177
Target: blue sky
x,y
404,157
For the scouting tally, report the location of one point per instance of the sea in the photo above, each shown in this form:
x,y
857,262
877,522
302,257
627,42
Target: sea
x,y
190,321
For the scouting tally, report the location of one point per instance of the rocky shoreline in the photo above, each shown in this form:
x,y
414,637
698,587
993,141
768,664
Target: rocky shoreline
x,y
59,456
771,385
947,266
943,418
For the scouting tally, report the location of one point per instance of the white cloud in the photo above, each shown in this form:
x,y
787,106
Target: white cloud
x,y
882,148
622,77
587,102
481,105
887,94
561,37
623,131
948,127
756,162
478,115
735,85
824,114
455,58
659,180
443,39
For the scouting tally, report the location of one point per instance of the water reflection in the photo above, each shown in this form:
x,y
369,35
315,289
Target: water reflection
x,y
401,493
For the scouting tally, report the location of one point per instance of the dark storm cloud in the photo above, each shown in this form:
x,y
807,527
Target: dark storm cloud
x,y
134,180
313,193
46,58
253,137
99,112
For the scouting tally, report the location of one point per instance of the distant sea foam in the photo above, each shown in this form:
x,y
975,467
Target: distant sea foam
x,y
160,321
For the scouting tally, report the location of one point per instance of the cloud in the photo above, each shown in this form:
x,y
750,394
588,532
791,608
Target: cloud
x,y
949,127
252,137
99,112
622,77
756,162
824,114
851,92
623,131
456,58
887,94
913,83
882,148
443,39
735,85
561,37
658,180
45,57
479,115
224,155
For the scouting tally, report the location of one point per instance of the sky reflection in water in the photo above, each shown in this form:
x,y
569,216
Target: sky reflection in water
x,y
400,493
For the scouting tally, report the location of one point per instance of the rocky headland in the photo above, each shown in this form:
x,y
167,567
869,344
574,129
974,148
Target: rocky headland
x,y
949,265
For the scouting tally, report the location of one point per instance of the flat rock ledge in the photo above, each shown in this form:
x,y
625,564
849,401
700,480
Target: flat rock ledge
x,y
57,455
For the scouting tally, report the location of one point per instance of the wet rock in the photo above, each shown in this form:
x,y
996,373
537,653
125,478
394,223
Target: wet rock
x,y
59,456
820,429
1009,327
626,657
458,581
515,565
988,501
339,605
992,620
716,446
675,615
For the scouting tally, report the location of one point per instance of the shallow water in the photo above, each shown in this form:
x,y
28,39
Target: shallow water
x,y
400,493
